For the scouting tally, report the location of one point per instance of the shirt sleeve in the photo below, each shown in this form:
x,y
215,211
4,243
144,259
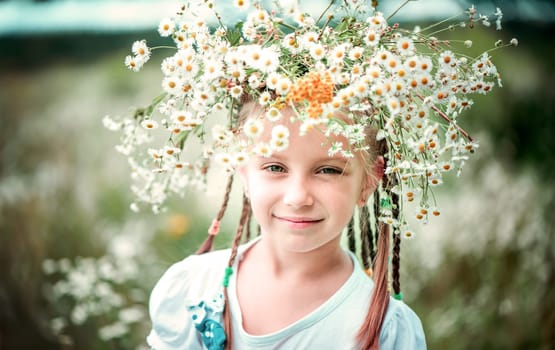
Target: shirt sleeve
x,y
172,326
402,329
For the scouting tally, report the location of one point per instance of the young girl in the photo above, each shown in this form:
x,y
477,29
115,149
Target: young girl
x,y
331,122
294,287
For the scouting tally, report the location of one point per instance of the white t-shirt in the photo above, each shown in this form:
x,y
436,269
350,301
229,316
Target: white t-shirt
x,y
186,305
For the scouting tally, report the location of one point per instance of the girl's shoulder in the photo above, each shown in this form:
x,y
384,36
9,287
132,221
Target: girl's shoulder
x,y
402,329
191,276
185,298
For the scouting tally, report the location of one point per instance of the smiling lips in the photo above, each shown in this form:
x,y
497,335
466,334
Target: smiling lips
x,y
298,222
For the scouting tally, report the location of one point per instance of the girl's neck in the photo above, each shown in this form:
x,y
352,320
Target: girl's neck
x,y
330,257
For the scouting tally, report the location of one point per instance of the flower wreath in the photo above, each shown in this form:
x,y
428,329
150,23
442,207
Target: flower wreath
x,y
409,84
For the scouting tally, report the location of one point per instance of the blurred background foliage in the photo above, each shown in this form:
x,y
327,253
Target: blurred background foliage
x,y
76,265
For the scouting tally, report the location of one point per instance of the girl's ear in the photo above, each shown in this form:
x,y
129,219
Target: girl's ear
x,y
371,180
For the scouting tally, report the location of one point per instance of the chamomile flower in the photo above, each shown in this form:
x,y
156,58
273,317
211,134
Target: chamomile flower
x,y
406,233
425,65
262,149
280,132
180,116
372,37
336,147
212,69
166,27
338,54
133,63
236,91
405,46
309,38
253,128
254,81
283,86
277,144
269,60
221,134
291,42
225,160
356,53
273,80
141,50
317,51
239,159
264,98
172,85
242,5
273,114
170,151
149,124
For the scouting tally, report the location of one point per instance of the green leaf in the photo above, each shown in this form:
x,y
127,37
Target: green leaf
x,y
234,35
155,102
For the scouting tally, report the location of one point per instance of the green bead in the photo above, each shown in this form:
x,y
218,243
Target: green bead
x,y
228,273
385,203
398,296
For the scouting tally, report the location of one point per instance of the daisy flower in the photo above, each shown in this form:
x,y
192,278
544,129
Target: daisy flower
x,y
317,51
291,43
141,50
166,27
181,116
133,63
253,128
372,37
273,80
172,85
262,149
283,86
278,145
405,46
149,124
254,81
338,54
264,98
239,159
236,91
269,60
355,53
280,132
273,114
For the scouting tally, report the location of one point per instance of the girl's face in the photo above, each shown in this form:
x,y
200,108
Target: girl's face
x,y
301,197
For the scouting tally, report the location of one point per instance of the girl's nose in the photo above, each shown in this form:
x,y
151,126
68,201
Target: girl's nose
x,y
297,193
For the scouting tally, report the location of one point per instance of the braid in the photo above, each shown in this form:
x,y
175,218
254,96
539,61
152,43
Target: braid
x,y
366,236
396,258
248,230
369,332
351,235
375,227
229,270
208,244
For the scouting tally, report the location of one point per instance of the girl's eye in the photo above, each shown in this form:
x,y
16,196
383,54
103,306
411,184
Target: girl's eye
x,y
330,171
274,168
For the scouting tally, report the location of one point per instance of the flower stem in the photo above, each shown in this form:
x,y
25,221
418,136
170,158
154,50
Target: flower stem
x,y
447,119
326,10
399,8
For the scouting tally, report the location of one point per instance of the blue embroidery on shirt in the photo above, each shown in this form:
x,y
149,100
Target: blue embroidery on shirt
x,y
204,315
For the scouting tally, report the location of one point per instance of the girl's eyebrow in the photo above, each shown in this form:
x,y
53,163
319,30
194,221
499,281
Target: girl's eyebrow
x,y
340,159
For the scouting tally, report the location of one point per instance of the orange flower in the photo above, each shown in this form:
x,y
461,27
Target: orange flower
x,y
314,89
